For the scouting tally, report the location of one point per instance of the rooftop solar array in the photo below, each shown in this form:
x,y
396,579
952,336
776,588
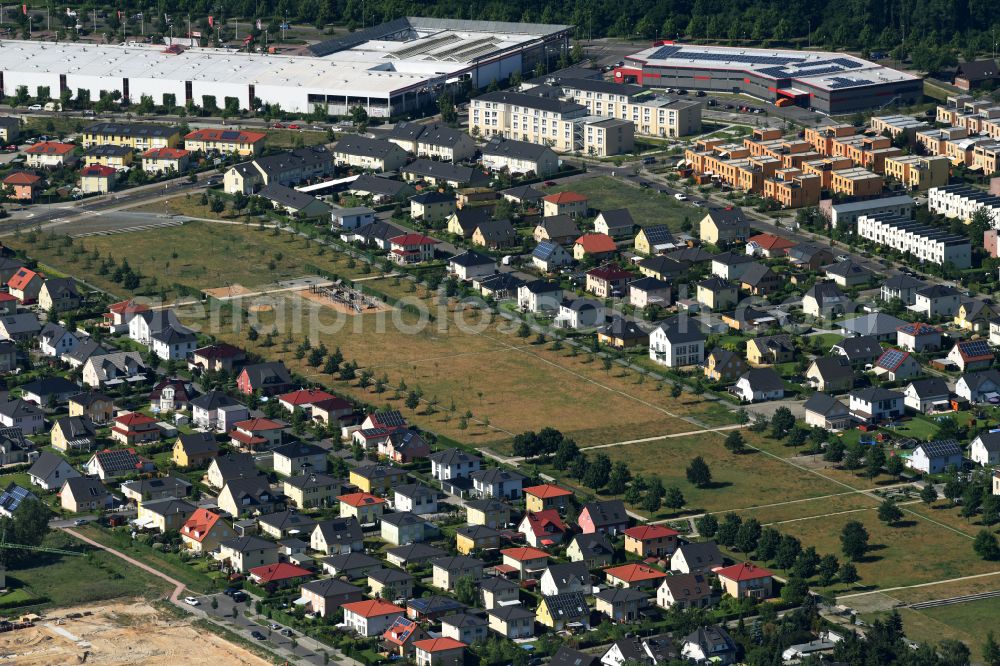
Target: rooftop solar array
x,y
838,82
891,359
976,348
11,498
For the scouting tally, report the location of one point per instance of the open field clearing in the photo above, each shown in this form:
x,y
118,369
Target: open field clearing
x,y
647,206
123,632
811,508
915,552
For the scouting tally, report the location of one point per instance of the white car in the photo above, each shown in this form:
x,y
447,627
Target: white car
x,y
191,601
35,107
680,196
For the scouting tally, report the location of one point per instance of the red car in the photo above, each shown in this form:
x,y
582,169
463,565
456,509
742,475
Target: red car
x,y
550,183
277,126
294,126
12,148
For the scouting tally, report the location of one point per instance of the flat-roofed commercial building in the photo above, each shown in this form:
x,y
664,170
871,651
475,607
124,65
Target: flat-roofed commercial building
x,y
922,242
847,214
393,68
832,83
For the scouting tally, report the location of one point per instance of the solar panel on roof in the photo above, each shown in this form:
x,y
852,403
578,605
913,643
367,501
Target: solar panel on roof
x,y
976,348
229,135
664,52
838,82
891,359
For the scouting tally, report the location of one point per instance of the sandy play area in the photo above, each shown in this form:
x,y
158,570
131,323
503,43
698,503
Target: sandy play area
x,y
120,632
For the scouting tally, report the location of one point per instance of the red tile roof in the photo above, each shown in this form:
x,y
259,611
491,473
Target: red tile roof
x,y
98,171
918,328
199,524
744,571
50,148
304,396
128,307
256,425
633,573
217,135
596,243
166,153
372,608
22,178
547,491
771,242
22,278
643,532
134,418
273,573
610,272
545,522
565,198
524,553
408,240
401,631
360,499
439,644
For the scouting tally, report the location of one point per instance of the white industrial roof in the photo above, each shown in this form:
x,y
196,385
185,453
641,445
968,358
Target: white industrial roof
x,y
376,68
826,70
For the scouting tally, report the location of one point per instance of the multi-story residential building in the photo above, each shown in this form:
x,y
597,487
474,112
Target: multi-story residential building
x,y
678,342
137,136
962,201
793,189
897,125
935,141
919,173
539,116
656,116
925,243
984,158
226,141
857,182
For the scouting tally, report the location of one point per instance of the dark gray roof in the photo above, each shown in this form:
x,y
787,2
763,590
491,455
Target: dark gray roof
x,y
340,530
496,475
330,587
380,185
458,173
763,379
198,443
286,196
755,273
938,291
286,520
520,150
832,368
135,130
609,512
245,543
990,441
497,231
432,196
682,329
349,561
86,487
558,226
457,563
537,98
415,551
928,388
876,323
897,282
568,606
618,218
622,594
524,193
47,386
876,394
213,400
826,293
624,329
159,485
728,217
571,572
47,463
299,450
701,553
454,456
389,576
860,348
313,480
508,613
356,144
402,519
433,134
846,269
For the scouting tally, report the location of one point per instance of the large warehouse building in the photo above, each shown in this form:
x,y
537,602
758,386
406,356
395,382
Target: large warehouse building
x,y
832,83
390,69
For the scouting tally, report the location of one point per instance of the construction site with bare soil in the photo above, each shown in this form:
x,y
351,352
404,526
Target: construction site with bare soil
x,y
119,632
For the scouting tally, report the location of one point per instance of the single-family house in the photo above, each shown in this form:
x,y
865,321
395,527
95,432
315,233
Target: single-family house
x,y
936,457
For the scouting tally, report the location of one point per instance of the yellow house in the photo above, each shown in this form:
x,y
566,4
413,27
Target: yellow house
x,y
73,433
97,179
137,136
974,316
204,531
116,157
476,537
194,450
365,507
716,293
165,515
560,610
98,407
770,349
377,478
546,496
311,490
727,225
489,512
723,365
653,239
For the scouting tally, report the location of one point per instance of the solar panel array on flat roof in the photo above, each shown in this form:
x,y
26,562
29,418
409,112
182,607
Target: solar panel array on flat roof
x,y
11,498
744,58
229,135
664,52
837,82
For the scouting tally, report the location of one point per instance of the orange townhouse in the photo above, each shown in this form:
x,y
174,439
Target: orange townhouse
x,y
23,185
650,540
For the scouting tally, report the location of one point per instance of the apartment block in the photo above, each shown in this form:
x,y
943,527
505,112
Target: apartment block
x,y
984,158
653,116
935,141
962,201
897,125
793,189
919,173
922,242
824,168
540,116
857,182
822,138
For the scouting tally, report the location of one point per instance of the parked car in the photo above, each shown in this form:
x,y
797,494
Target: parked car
x,y
294,126
191,601
35,107
257,635
680,196
80,522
